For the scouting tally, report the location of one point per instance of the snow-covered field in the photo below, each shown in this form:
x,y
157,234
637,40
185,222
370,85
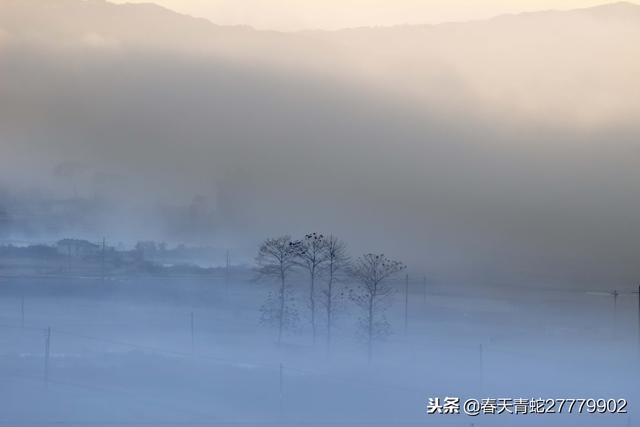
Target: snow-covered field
x,y
122,354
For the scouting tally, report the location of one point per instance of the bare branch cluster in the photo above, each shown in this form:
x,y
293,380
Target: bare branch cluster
x,y
275,260
327,263
371,272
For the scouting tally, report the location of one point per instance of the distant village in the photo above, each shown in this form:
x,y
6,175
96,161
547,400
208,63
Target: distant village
x,y
71,256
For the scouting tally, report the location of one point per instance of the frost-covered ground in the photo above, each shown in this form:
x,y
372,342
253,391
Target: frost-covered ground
x,y
121,354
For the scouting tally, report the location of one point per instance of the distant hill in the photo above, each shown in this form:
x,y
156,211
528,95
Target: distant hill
x,y
519,63
517,133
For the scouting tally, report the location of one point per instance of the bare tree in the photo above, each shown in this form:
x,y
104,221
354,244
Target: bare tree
x,y
311,257
336,266
276,258
371,271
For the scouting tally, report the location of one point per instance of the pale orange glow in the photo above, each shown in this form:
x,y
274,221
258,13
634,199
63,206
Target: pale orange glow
x,y
288,15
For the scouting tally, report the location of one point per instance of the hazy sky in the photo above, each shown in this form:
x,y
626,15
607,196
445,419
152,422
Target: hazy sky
x,y
332,14
500,150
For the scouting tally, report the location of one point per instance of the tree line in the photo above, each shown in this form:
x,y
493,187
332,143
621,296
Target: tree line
x,y
329,269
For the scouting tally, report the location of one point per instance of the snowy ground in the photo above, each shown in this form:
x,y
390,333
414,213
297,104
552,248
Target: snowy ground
x,y
121,354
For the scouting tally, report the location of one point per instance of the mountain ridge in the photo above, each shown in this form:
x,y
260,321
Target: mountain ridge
x,y
609,10
496,61
458,135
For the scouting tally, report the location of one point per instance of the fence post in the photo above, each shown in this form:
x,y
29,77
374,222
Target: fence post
x,y
226,272
406,303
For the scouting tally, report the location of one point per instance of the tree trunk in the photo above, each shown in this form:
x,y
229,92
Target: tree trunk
x,y
329,309
313,304
370,329
281,317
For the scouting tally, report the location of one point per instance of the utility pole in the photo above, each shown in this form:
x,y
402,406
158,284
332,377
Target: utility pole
x,y
281,391
193,341
615,312
638,331
406,303
424,289
103,258
22,310
47,348
481,363
226,272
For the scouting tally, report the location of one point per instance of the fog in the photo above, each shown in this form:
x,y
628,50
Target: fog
x,y
183,351
163,178
487,149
